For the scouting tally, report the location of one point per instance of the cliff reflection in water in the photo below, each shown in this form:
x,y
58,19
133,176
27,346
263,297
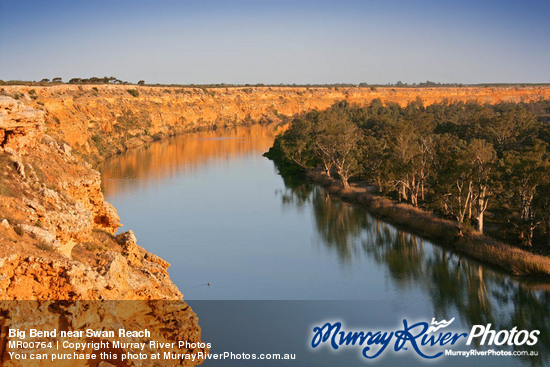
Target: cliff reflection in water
x,y
185,153
455,285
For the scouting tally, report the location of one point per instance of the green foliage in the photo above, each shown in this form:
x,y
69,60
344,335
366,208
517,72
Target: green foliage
x,y
94,80
130,120
97,139
99,143
462,160
18,230
133,92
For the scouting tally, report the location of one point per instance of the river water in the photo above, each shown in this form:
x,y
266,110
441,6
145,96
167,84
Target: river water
x,y
234,230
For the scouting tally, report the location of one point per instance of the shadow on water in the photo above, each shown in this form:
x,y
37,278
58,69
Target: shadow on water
x,y
455,284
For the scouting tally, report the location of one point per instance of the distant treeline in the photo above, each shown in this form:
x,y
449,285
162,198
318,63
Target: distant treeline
x,y
399,84
59,80
470,162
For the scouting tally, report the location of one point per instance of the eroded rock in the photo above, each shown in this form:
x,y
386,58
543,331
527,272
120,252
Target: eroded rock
x,y
59,241
40,233
20,126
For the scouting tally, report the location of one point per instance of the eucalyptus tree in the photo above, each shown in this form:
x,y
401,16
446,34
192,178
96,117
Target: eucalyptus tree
x,y
483,159
373,159
297,142
463,157
404,149
412,147
524,171
511,127
335,139
542,206
454,180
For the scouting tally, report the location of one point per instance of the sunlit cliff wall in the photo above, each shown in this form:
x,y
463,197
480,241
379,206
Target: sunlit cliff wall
x,y
57,244
101,120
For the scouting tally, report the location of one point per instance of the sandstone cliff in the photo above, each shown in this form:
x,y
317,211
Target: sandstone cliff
x,y
57,243
101,120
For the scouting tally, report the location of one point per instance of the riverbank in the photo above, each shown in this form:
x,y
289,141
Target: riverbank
x,y
478,246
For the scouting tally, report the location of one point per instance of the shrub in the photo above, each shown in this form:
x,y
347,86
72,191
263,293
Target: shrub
x,y
97,139
133,92
18,230
44,246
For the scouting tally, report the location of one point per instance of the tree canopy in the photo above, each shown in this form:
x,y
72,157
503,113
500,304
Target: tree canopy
x,y
482,165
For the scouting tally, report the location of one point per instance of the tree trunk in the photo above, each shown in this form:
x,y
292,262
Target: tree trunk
x,y
327,170
344,181
482,203
414,192
480,222
403,192
414,199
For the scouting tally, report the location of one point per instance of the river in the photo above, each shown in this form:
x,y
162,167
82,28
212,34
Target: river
x,y
243,242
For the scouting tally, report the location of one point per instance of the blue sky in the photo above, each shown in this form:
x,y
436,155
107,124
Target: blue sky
x,y
277,41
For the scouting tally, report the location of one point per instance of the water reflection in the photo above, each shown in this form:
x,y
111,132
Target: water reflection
x,y
157,162
205,202
455,284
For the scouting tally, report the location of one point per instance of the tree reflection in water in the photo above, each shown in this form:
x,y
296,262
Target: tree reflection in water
x,y
453,283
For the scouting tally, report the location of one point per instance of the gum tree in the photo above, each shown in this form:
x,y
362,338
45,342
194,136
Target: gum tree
x,y
336,138
483,158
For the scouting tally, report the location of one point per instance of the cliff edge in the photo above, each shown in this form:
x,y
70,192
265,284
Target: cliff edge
x,y
57,244
102,120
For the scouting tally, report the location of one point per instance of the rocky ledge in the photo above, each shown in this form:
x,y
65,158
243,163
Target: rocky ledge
x,y
57,233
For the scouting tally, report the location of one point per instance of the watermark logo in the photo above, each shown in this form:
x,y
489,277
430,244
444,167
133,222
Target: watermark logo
x,y
427,340
439,325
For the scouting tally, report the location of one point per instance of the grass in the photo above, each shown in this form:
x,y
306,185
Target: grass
x,y
44,246
4,190
101,146
131,120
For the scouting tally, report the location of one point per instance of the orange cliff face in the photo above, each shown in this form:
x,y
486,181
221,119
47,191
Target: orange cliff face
x,y
58,249
101,120
56,230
